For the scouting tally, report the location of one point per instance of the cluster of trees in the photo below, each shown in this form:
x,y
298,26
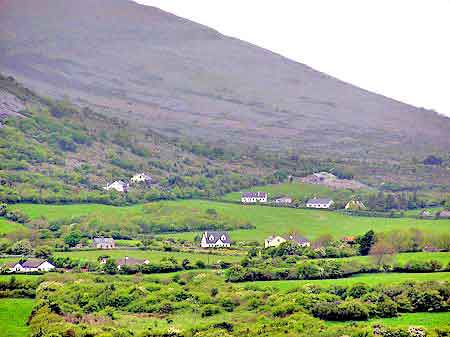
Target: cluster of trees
x,y
15,288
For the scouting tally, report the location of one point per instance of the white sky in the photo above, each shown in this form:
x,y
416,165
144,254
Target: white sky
x,y
399,48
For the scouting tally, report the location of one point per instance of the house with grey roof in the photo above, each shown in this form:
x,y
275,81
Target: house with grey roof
x,y
131,262
215,239
283,201
320,203
30,265
142,178
253,197
298,239
104,243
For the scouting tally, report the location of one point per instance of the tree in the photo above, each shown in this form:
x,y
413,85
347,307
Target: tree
x,y
382,252
72,239
43,252
366,242
21,248
110,267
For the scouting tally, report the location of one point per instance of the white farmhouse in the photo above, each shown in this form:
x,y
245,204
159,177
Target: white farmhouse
x,y
283,201
215,239
118,186
104,243
31,265
273,241
320,203
141,178
253,197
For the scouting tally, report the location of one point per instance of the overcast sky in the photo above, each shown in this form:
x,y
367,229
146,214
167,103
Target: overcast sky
x,y
399,48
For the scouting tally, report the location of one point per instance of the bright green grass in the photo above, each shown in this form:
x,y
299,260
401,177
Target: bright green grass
x,y
369,279
402,258
8,226
294,190
152,256
268,220
13,317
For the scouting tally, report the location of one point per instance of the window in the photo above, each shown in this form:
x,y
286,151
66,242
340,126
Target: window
x,y
223,238
211,238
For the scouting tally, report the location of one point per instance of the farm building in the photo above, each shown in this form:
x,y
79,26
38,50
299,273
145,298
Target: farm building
x,y
118,186
444,215
273,241
31,265
355,205
253,197
320,203
129,261
215,239
298,239
283,201
104,243
142,178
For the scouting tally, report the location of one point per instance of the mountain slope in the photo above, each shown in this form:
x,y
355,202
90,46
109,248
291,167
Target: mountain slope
x,y
183,79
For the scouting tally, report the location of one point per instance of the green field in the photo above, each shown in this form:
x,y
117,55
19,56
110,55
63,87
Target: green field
x,y
369,279
13,316
152,256
268,220
8,226
402,258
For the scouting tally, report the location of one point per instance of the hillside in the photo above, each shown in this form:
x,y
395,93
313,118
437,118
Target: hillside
x,y
182,79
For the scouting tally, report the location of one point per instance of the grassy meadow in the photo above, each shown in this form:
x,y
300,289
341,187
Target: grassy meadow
x,y
369,279
9,226
14,313
152,256
267,220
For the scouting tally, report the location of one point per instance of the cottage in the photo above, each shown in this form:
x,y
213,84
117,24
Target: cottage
x,y
273,241
283,201
349,240
104,243
129,261
215,239
253,197
320,177
300,240
355,205
320,203
31,265
425,214
142,178
118,186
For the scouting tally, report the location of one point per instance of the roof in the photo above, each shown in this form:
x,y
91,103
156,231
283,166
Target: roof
x,y
120,182
296,238
144,175
213,237
444,214
254,194
103,240
319,201
33,263
129,261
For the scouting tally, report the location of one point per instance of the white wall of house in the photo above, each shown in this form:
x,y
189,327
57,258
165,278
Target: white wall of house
x,y
317,205
274,242
46,266
247,200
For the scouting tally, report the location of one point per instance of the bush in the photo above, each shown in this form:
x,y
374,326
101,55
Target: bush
x,y
210,310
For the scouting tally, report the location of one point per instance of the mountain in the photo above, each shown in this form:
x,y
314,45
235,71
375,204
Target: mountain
x,y
183,79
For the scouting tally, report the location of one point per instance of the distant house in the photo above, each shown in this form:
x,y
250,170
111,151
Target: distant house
x,y
31,265
118,186
215,239
273,241
298,239
104,243
425,214
283,201
355,205
349,239
320,203
320,177
444,214
141,178
129,261
253,197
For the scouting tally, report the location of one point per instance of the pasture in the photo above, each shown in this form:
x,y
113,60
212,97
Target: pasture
x,y
267,220
14,313
9,226
369,279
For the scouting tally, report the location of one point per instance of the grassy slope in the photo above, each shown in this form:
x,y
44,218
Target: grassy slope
x,y
268,220
402,258
8,226
13,316
370,279
152,256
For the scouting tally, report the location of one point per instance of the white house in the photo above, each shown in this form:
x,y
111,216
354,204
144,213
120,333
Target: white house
x,y
104,243
129,261
273,241
320,203
283,201
141,178
31,265
215,239
118,186
253,197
